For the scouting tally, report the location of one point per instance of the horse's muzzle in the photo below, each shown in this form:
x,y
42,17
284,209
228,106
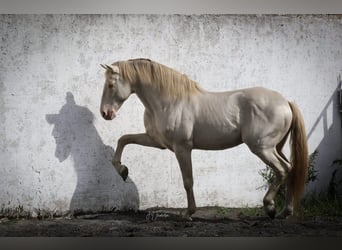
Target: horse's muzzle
x,y
108,114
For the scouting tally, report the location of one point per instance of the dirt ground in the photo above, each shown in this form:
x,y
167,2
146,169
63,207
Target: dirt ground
x,y
169,222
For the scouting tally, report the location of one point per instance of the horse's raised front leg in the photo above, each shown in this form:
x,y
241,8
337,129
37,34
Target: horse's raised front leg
x,y
184,159
140,139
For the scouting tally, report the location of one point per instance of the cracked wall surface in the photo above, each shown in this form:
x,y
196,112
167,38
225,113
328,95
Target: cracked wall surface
x,y
55,148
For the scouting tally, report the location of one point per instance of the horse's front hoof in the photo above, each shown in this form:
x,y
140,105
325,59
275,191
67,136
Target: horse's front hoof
x,y
187,215
124,172
188,218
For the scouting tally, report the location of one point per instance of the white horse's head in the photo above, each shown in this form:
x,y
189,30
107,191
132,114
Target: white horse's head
x,y
115,92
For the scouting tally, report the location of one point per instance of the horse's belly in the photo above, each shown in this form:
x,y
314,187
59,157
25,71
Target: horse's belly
x,y
213,139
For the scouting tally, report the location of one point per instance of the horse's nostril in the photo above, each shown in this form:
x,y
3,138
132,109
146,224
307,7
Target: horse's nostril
x,y
103,114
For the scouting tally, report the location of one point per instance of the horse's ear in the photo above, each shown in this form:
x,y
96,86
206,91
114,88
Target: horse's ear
x,y
113,68
103,66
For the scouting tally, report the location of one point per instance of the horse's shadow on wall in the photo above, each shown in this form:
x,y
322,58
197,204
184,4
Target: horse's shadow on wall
x,y
329,120
99,187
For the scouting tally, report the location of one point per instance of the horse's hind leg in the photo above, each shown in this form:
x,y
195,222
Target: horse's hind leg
x,y
288,208
271,158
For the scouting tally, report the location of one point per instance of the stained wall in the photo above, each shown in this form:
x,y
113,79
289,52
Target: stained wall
x,y
55,148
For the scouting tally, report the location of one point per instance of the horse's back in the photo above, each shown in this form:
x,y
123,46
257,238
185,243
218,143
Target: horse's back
x,y
263,96
227,119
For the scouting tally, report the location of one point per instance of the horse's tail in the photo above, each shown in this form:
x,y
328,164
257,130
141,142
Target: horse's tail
x,y
299,154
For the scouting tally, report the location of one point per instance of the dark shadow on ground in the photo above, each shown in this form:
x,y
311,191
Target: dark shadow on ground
x,y
99,187
330,146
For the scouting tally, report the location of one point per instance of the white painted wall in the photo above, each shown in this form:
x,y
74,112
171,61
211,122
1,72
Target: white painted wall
x,y
55,148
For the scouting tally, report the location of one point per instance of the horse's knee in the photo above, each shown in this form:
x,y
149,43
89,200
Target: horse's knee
x,y
188,183
121,141
126,139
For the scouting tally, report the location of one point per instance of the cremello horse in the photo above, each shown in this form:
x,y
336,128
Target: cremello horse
x,y
181,116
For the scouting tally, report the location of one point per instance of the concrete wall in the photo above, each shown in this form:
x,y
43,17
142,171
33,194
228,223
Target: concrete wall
x,y
55,148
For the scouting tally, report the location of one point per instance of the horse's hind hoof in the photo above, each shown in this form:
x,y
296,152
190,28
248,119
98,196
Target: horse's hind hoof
x,y
271,214
270,211
124,172
285,213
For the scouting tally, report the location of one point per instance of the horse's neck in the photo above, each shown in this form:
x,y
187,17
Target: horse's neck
x,y
152,99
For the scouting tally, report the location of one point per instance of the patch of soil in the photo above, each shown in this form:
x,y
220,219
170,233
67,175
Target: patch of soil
x,y
169,222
